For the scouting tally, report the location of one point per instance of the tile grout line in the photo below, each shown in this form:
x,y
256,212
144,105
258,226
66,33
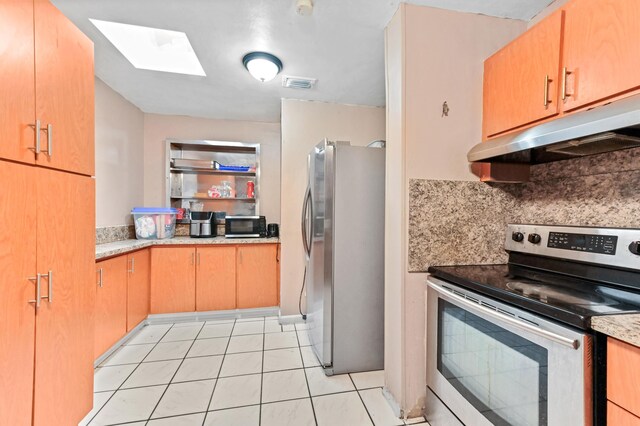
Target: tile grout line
x,y
218,375
306,379
174,374
127,378
362,400
261,377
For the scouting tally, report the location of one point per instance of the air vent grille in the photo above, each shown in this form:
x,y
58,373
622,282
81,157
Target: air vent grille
x,y
298,82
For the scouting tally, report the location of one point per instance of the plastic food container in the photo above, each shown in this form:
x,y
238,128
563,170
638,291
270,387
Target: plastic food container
x,y
154,223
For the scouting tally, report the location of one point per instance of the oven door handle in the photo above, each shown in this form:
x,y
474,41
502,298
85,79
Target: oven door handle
x,y
483,310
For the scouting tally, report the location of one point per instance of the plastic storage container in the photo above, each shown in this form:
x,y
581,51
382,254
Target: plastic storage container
x,y
154,223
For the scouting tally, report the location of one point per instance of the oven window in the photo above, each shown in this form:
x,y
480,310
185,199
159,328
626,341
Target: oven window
x,y
503,375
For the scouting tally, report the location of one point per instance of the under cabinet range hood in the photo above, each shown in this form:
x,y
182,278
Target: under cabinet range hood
x,y
611,127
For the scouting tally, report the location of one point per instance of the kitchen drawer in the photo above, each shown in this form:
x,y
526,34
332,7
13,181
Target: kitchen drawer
x,y
623,375
617,416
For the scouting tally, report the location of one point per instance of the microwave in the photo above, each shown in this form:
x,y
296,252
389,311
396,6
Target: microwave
x,y
245,227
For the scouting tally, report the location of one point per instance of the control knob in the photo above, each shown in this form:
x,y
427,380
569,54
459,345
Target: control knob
x,y
517,237
634,247
534,238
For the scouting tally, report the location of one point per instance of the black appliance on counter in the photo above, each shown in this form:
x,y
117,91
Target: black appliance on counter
x,y
513,343
202,225
273,230
245,227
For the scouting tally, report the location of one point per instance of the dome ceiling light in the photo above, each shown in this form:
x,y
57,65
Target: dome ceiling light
x,y
262,66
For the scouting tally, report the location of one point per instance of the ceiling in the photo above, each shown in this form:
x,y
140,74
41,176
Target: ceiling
x,y
341,44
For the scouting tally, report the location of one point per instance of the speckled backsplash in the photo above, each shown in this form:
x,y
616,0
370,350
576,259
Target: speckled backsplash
x,y
463,222
110,234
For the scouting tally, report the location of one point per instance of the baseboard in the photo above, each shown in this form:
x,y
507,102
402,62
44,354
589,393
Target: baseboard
x,y
119,343
291,319
395,407
213,315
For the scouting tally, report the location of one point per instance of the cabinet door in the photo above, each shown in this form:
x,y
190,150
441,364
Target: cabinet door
x,y
257,275
111,303
138,288
65,322
17,101
64,91
622,376
216,278
601,46
617,416
173,280
17,315
521,80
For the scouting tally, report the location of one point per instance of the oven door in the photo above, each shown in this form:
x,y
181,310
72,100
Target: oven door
x,y
491,363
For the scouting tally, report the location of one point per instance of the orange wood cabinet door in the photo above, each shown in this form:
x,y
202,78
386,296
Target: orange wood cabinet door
x,y
521,80
111,303
64,91
173,280
17,101
65,228
257,275
617,416
601,49
17,315
138,287
215,278
623,376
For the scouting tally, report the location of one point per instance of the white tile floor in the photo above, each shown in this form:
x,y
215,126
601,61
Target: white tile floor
x,y
242,372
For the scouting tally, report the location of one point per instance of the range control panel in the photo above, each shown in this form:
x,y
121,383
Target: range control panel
x,y
602,244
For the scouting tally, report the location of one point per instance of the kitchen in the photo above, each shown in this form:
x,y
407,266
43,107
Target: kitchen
x,y
446,91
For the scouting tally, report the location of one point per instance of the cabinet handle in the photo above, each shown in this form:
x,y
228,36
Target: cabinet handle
x,y
198,258
49,276
547,80
100,274
193,258
133,265
565,73
49,150
37,129
38,298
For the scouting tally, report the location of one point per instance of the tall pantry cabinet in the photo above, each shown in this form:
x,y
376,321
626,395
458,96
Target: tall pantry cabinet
x,y
47,211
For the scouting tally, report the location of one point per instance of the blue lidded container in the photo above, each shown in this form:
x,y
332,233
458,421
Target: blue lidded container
x,y
154,223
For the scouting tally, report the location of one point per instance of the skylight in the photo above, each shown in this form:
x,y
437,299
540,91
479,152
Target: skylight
x,y
152,48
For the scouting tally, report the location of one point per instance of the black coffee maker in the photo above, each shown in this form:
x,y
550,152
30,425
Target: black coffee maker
x,y
273,230
202,225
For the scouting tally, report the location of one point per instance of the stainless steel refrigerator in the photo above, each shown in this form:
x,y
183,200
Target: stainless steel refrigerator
x,y
343,236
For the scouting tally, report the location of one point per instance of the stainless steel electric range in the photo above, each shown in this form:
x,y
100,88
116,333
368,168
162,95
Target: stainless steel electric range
x,y
512,344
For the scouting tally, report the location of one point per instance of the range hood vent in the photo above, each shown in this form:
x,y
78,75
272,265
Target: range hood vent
x,y
611,127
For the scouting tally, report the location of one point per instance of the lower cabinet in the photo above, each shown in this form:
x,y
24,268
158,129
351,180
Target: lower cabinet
x,y
623,377
216,278
257,278
111,303
138,295
173,279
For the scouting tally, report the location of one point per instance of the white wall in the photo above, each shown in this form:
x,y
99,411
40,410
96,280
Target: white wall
x,y
304,125
433,55
157,128
119,157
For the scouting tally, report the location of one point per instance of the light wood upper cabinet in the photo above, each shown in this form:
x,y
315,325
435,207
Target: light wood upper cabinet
x,y
601,50
17,102
64,91
521,81
173,287
63,387
138,264
17,315
216,278
257,280
111,303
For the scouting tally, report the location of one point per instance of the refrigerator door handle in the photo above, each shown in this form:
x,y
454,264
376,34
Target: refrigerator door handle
x,y
305,210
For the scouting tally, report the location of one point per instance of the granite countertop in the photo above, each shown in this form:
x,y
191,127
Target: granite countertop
x,y
125,246
625,327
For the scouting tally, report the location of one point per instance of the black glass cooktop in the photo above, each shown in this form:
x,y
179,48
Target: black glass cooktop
x,y
566,299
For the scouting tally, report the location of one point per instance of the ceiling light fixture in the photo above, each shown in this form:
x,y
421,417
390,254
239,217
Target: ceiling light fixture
x,y
152,48
262,66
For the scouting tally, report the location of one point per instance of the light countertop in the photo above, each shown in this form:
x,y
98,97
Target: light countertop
x,y
121,247
625,327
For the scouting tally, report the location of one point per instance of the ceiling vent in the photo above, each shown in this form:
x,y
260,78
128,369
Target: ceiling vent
x,y
298,82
